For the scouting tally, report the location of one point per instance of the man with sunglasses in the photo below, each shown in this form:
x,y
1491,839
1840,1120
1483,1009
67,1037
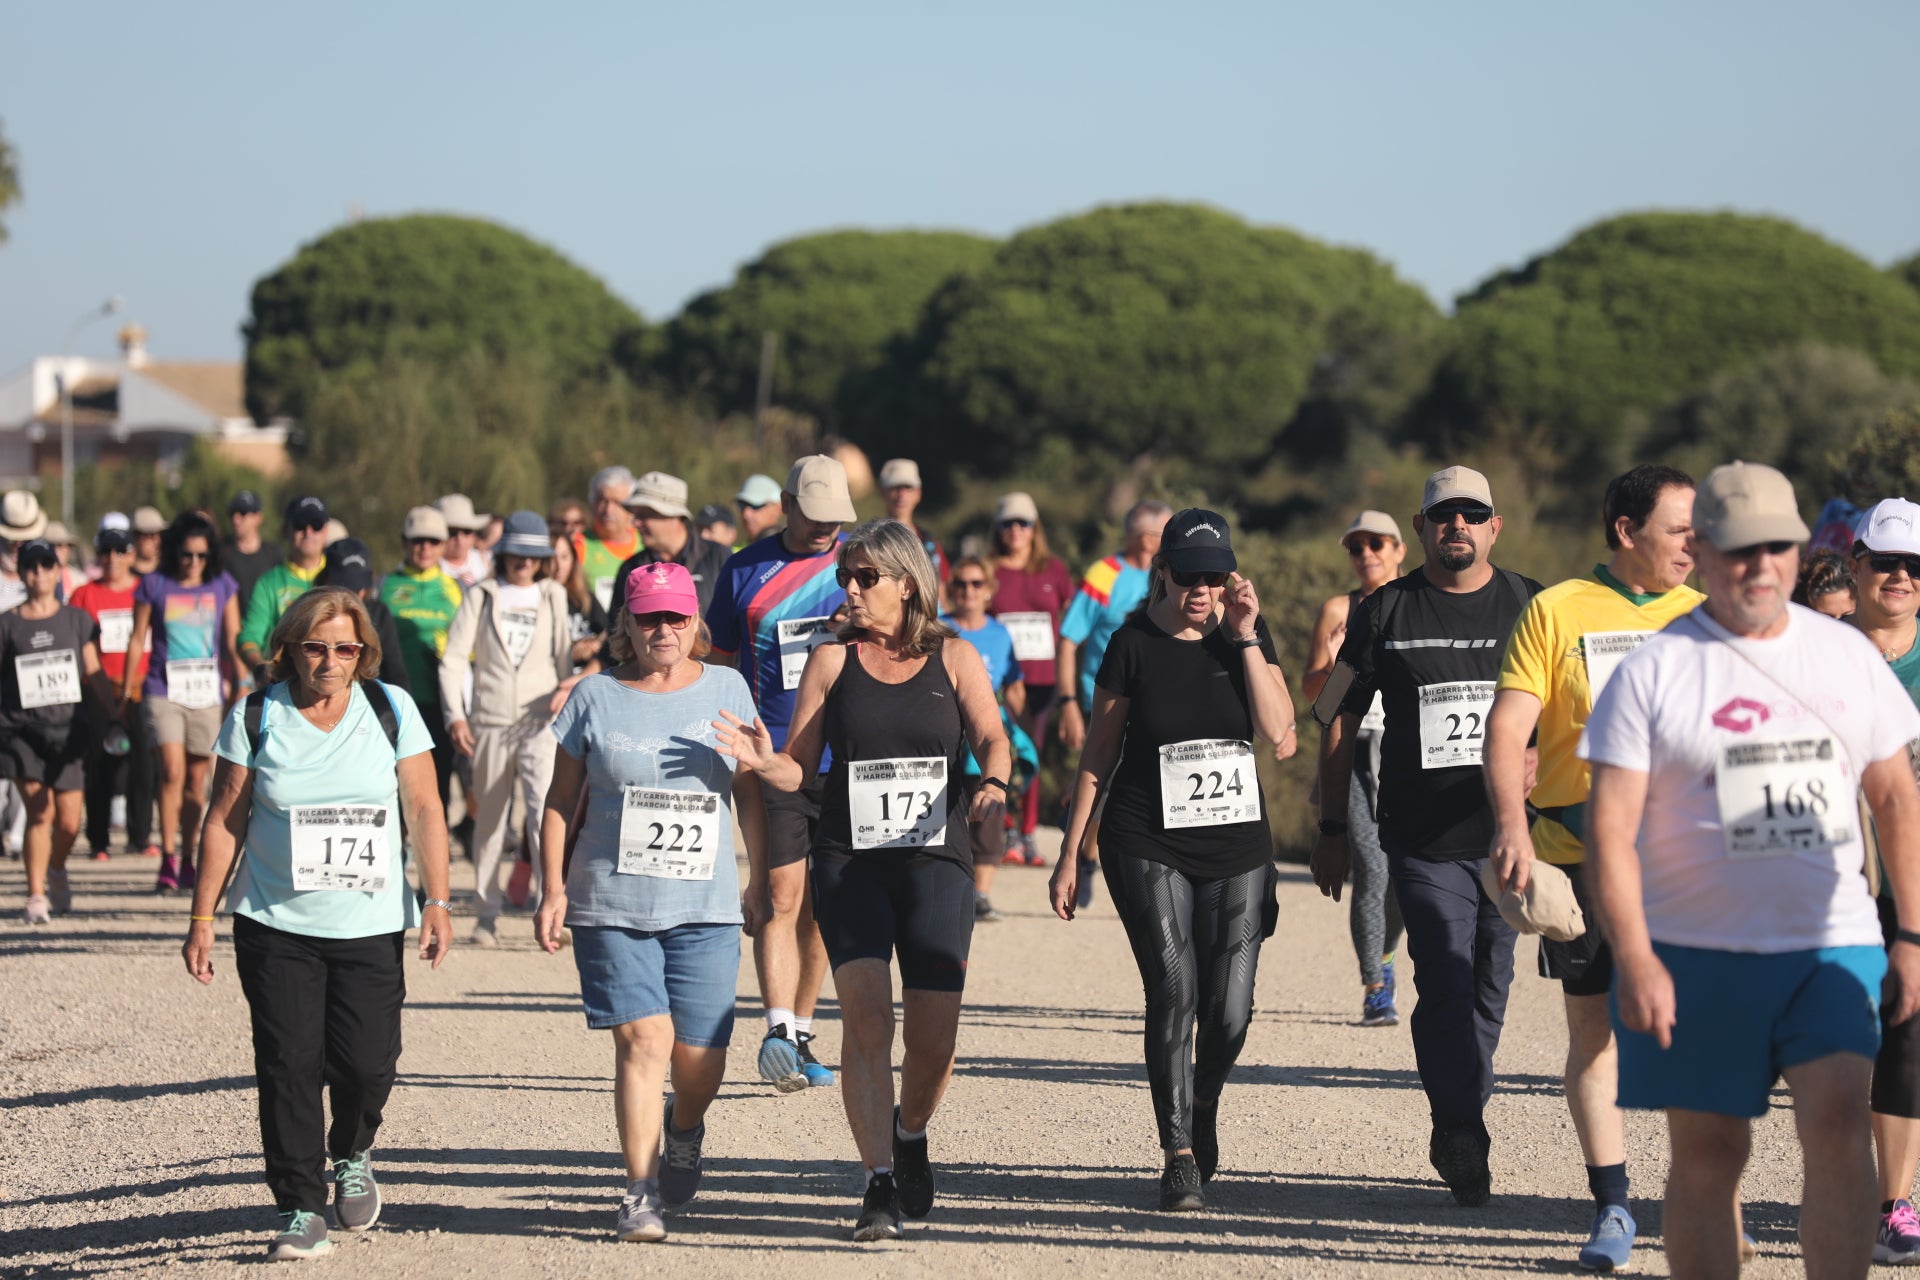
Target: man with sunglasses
x,y
773,606
245,554
1564,648
284,583
1724,843
423,598
1431,643
119,762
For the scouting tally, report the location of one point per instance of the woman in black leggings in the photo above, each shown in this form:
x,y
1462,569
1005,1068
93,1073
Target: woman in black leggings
x,y
1186,684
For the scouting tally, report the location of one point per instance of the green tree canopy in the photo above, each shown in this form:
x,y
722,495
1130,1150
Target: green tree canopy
x,y
1635,311
9,181
836,302
1158,328
1908,270
425,287
1884,459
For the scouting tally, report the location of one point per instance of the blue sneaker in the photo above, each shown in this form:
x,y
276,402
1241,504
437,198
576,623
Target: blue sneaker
x,y
1377,1010
780,1062
818,1077
1611,1241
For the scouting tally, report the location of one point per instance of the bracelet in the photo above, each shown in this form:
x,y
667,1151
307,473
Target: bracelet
x,y
1252,642
1332,827
1906,935
442,903
201,919
1004,789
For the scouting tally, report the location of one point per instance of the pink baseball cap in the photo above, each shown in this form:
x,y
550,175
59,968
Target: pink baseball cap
x,y
662,588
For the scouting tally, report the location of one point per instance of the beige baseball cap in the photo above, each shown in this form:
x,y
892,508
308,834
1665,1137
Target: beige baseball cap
x,y
818,484
148,520
425,522
657,491
1548,907
1743,503
1374,522
1016,506
900,473
1455,484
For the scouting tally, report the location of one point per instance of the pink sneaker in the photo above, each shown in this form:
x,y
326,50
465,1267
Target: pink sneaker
x,y
151,851
188,876
169,878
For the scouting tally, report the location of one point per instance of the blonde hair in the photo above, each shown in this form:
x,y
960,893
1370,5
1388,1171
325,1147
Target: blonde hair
x,y
315,606
897,552
977,562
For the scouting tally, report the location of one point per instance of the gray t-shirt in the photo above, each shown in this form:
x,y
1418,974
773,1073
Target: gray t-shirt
x,y
41,671
657,742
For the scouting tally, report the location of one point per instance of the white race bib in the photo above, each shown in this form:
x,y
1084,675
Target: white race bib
x,y
1783,795
1604,652
603,592
1208,783
1453,723
194,683
517,628
339,847
1032,635
669,834
116,630
50,679
799,637
898,804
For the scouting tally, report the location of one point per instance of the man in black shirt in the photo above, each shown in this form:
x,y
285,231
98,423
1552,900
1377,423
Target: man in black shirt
x,y
1431,644
245,554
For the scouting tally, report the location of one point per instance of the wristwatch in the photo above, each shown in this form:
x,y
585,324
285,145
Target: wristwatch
x,y
1332,827
442,903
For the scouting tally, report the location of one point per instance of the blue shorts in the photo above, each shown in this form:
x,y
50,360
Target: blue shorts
x,y
1741,1019
688,972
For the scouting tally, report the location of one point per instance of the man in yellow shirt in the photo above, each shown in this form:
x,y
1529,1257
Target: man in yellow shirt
x,y
1563,649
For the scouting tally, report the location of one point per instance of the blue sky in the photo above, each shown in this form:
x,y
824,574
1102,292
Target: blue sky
x,y
172,154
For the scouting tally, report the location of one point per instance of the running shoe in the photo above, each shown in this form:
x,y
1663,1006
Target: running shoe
x,y
1460,1157
983,912
485,934
1610,1243
356,1197
169,878
912,1172
640,1220
151,851
1083,887
1206,1137
1035,858
188,876
38,911
302,1235
1016,855
1180,1186
1376,1008
818,1076
1897,1244
59,891
101,855
879,1211
780,1062
680,1166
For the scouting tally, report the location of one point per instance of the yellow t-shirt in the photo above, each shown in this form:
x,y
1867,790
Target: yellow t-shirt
x,y
1563,649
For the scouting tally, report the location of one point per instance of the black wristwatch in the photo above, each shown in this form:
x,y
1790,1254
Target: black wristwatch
x,y
1906,935
1332,827
996,782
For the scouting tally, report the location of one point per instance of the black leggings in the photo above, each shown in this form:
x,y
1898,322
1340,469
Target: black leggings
x,y
1197,943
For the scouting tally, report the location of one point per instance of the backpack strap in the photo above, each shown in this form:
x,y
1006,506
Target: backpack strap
x,y
1518,586
255,715
382,703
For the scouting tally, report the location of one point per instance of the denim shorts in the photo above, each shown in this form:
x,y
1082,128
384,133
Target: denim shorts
x,y
687,972
1741,1019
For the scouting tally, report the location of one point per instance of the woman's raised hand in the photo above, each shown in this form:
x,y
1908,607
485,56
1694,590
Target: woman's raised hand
x,y
750,744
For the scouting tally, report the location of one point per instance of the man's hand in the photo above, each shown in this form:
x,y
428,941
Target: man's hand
x,y
1512,856
1645,995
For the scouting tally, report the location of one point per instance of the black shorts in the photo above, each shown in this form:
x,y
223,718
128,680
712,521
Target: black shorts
x,y
1585,965
1896,1072
792,819
23,759
869,908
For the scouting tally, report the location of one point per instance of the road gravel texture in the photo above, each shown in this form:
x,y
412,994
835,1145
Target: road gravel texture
x,y
128,1136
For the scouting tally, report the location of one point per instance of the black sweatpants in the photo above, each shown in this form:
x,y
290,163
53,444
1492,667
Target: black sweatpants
x,y
1462,952
326,1014
107,776
1197,943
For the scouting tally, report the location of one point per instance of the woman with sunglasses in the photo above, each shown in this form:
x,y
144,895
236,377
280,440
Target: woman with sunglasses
x,y
512,636
316,773
651,894
1185,686
969,589
1033,588
1374,547
120,759
898,707
191,610
47,649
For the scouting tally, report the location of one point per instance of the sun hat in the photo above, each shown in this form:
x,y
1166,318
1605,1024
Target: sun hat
x,y
525,534
21,519
458,509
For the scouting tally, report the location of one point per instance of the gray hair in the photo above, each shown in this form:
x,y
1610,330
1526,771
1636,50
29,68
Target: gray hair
x,y
1145,507
609,476
896,551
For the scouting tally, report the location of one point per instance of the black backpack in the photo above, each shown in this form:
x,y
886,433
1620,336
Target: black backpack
x,y
376,698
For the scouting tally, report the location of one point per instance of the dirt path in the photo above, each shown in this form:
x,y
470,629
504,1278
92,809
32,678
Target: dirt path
x,y
128,1135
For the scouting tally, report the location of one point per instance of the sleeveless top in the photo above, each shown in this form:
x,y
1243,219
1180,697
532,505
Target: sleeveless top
x,y
869,721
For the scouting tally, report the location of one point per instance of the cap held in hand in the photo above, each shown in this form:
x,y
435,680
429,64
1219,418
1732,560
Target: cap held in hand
x,y
1548,907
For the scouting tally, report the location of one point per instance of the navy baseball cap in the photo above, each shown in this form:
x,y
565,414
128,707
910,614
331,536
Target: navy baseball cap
x,y
245,502
1198,541
349,565
307,513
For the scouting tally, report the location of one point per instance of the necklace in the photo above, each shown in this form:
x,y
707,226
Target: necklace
x,y
329,725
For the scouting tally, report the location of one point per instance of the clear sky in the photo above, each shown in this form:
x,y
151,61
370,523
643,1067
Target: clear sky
x,y
174,153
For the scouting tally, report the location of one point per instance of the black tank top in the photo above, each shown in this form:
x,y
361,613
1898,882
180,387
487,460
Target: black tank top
x,y
869,722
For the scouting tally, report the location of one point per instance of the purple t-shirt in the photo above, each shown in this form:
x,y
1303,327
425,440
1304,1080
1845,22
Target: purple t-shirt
x,y
185,622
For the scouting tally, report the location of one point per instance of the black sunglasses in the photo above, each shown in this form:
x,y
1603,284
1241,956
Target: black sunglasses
x,y
1754,549
430,542
1472,513
1375,543
1887,563
195,555
1016,522
868,577
967,584
1197,579
310,526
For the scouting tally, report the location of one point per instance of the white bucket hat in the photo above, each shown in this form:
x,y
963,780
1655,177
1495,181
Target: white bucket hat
x,y
21,519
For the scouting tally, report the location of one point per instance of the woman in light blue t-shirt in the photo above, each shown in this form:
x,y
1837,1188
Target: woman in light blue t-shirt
x,y
652,896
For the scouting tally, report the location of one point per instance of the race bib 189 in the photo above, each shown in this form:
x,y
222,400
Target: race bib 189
x,y
50,679
1032,635
1783,795
194,683
339,847
1453,723
1604,651
799,637
1208,783
898,804
671,835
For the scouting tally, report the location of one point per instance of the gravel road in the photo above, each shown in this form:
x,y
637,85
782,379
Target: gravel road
x,y
129,1138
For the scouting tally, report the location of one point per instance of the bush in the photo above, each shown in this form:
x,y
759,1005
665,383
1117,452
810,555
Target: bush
x,y
1884,459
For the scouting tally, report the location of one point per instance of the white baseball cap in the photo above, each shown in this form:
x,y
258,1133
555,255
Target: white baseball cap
x,y
1891,525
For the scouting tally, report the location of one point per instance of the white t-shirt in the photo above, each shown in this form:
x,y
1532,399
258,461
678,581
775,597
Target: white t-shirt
x,y
1783,871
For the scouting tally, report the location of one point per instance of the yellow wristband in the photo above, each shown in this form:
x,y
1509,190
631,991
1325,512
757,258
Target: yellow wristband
x,y
201,919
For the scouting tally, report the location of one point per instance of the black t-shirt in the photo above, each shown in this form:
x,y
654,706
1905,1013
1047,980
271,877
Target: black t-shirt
x,y
247,566
1450,645
44,644
1182,691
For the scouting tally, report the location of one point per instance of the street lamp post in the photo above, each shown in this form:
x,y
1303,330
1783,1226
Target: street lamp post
x,y
107,308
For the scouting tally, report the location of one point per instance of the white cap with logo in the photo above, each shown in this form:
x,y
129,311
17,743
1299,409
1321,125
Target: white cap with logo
x,y
1890,526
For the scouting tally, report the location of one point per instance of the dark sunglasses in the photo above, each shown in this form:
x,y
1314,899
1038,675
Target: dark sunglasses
x,y
346,650
1890,562
662,618
1473,513
868,577
195,555
1197,579
310,526
426,542
1016,523
1754,549
967,584
1376,543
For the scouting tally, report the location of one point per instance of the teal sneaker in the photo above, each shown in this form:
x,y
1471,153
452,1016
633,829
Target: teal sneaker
x,y
1610,1243
302,1235
818,1077
356,1199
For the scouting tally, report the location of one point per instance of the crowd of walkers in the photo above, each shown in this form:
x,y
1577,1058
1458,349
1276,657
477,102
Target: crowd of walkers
x,y
1702,802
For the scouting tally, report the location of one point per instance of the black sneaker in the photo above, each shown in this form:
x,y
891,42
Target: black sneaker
x,y
356,1197
1460,1158
1206,1137
912,1172
1083,886
1180,1186
879,1211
